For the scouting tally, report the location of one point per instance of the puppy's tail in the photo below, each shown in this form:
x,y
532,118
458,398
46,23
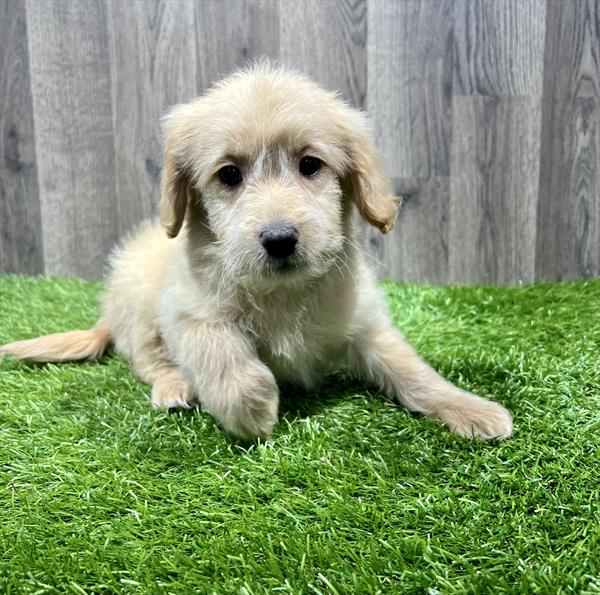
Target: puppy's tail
x,y
62,347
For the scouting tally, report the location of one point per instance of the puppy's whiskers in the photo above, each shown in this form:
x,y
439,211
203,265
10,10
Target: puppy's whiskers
x,y
365,253
343,260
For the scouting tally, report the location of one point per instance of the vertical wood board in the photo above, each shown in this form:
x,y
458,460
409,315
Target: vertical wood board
x,y
409,99
494,189
327,40
21,248
499,47
232,33
568,243
153,65
70,76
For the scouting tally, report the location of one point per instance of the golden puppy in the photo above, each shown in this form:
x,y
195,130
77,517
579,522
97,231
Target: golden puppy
x,y
257,278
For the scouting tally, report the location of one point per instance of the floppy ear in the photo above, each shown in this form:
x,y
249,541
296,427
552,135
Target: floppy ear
x,y
176,181
365,181
174,195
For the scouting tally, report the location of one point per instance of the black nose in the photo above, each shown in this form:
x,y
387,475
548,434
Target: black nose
x,y
279,240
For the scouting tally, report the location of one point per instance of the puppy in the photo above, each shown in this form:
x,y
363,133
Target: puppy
x,y
255,276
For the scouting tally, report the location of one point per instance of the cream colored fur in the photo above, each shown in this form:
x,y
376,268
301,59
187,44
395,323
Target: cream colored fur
x,y
204,316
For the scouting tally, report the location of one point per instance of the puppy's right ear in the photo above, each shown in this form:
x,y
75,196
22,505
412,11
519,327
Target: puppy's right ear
x,y
175,184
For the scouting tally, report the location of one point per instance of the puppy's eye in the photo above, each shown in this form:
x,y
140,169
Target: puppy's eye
x,y
230,175
309,166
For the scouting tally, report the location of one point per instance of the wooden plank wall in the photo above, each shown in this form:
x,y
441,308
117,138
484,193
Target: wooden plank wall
x,y
487,113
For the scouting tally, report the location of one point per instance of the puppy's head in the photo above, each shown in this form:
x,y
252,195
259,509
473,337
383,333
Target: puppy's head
x,y
271,161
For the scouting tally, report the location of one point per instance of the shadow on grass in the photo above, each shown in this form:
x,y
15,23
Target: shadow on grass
x,y
299,403
296,403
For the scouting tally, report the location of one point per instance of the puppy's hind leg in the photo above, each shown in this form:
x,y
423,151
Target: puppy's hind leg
x,y
170,390
381,354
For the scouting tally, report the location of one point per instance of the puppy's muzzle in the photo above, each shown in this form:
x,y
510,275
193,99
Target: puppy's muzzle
x,y
279,241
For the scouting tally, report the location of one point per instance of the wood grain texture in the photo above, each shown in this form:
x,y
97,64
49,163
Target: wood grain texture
x,y
68,48
499,47
231,33
487,114
21,247
328,40
153,65
568,242
409,100
410,85
494,189
417,248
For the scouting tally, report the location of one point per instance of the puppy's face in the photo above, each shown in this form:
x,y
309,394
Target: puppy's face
x,y
275,209
272,161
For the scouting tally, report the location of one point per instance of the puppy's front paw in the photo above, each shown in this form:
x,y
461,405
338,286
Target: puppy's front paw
x,y
253,415
468,415
172,391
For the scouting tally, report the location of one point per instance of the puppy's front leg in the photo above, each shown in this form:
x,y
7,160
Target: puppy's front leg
x,y
230,380
381,354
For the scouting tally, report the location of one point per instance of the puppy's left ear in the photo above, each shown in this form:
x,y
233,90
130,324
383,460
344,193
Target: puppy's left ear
x,y
366,181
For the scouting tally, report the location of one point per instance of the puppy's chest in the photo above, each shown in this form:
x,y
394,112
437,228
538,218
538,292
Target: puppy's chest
x,y
296,340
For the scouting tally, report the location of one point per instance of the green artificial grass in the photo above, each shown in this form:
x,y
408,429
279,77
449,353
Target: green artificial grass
x,y
100,494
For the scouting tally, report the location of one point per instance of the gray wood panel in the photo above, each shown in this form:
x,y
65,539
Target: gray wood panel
x,y
231,33
153,66
410,85
568,243
499,47
409,101
487,114
21,247
417,248
68,46
328,41
494,189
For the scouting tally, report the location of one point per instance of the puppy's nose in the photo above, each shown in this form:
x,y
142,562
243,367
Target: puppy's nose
x,y
279,240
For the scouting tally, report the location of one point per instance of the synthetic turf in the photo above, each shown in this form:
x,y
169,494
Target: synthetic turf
x,y
100,494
